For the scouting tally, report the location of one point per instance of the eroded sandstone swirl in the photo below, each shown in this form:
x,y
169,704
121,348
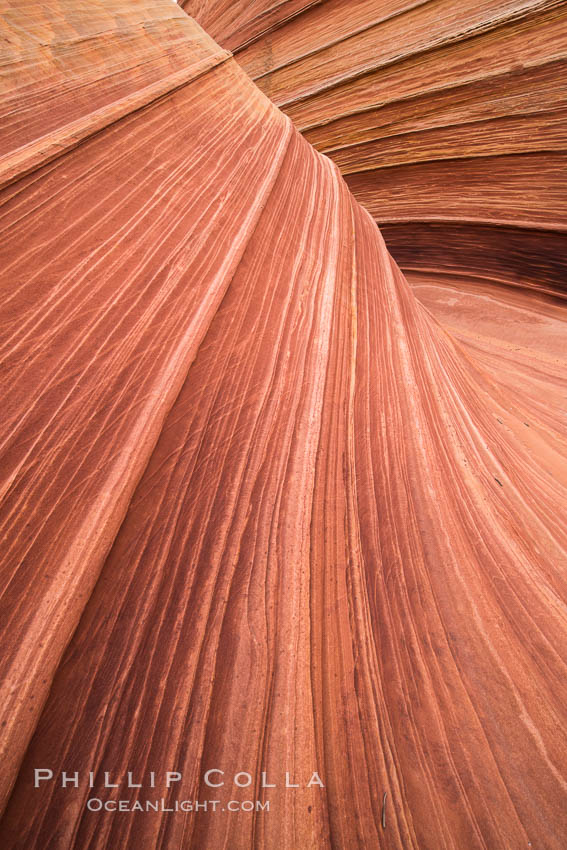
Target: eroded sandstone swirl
x,y
448,119
262,510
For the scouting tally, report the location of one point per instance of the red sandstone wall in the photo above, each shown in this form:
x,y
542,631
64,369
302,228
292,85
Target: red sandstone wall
x,y
261,510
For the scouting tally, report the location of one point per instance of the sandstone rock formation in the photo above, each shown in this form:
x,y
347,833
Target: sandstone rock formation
x,y
448,120
262,511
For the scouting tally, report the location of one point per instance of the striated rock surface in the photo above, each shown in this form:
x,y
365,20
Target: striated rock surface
x,y
448,119
260,510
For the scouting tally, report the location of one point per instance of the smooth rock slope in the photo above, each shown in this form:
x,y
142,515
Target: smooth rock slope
x,y
260,510
448,119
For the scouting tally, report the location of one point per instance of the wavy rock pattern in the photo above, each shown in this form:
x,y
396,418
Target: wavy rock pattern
x,y
448,120
260,510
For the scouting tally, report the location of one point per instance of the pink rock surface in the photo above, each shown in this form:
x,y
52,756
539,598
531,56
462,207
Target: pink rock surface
x,y
261,511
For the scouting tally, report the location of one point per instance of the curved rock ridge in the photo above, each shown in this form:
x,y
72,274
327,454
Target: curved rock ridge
x,y
261,511
448,120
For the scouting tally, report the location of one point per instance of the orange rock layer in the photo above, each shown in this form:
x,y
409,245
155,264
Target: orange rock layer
x,y
448,119
260,510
